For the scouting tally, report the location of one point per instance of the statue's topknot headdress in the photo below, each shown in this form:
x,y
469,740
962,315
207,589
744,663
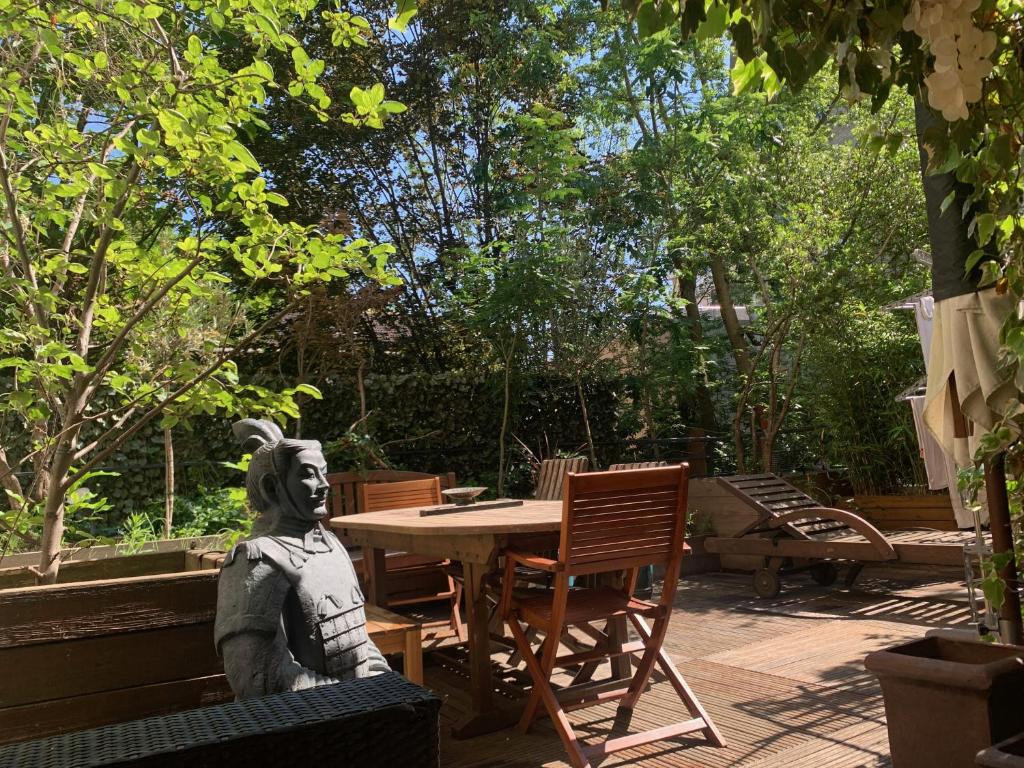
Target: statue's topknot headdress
x,y
253,434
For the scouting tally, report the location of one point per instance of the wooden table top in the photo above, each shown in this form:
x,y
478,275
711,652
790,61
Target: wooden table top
x,y
532,517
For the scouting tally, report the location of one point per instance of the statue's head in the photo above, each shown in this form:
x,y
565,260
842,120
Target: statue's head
x,y
286,478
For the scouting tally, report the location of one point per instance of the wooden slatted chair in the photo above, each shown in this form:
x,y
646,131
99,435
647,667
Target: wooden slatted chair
x,y
345,498
410,576
611,521
636,465
344,494
552,474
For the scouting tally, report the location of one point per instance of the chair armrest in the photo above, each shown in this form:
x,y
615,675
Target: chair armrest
x,y
534,561
523,558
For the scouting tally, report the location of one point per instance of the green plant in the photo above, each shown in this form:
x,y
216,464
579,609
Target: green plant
x,y
213,511
137,530
699,523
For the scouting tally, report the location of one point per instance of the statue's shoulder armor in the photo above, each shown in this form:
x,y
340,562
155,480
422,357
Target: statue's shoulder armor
x,y
251,590
265,549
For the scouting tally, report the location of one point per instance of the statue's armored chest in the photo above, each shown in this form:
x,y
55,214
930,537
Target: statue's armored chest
x,y
327,594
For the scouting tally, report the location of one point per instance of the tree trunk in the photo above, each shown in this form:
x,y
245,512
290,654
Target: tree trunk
x,y
767,448
53,518
687,289
586,424
737,441
169,482
739,345
361,386
504,421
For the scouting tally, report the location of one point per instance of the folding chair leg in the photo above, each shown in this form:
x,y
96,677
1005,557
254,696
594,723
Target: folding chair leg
x,y
643,673
455,620
542,689
549,652
681,687
516,656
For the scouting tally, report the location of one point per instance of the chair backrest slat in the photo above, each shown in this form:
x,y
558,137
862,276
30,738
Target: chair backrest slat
x,y
636,465
551,476
404,495
346,498
623,519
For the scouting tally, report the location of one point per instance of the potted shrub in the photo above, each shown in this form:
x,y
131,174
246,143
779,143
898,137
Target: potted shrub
x,y
947,699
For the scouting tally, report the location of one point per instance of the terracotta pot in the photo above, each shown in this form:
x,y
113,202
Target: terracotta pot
x,y
1005,754
945,699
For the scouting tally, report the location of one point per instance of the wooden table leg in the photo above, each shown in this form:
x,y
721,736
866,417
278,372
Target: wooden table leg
x,y
374,571
485,716
618,634
412,660
618,631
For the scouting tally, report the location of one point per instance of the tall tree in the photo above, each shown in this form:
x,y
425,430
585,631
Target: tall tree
x,y
127,193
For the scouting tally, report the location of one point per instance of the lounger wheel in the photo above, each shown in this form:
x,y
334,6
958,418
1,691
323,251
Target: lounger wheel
x,y
767,583
825,574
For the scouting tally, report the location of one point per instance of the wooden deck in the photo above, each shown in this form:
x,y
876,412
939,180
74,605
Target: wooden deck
x,y
783,678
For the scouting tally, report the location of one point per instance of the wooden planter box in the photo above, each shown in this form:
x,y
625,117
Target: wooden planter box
x,y
947,699
893,513
110,562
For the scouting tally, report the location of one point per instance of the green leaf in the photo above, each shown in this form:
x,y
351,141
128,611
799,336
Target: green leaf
x,y
308,389
745,75
238,150
947,201
649,20
359,97
406,11
152,11
301,58
100,59
148,137
742,38
714,25
986,224
101,171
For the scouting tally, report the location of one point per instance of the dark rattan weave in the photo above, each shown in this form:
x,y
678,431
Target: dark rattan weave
x,y
383,720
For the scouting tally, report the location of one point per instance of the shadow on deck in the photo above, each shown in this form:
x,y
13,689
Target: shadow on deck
x,y
783,679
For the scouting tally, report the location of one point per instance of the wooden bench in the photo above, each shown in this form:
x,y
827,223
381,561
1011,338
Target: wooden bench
x,y
85,654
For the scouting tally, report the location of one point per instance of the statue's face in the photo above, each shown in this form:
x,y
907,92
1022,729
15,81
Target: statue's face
x,y
307,484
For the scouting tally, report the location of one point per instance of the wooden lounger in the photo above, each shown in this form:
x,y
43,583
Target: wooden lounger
x,y
793,532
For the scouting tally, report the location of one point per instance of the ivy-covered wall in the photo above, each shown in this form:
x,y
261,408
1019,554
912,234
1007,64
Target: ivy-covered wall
x,y
448,422
451,422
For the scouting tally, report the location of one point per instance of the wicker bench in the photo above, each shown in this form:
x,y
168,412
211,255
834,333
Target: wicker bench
x,y
383,720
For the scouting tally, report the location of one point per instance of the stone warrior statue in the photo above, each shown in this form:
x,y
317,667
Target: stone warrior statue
x,y
289,610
